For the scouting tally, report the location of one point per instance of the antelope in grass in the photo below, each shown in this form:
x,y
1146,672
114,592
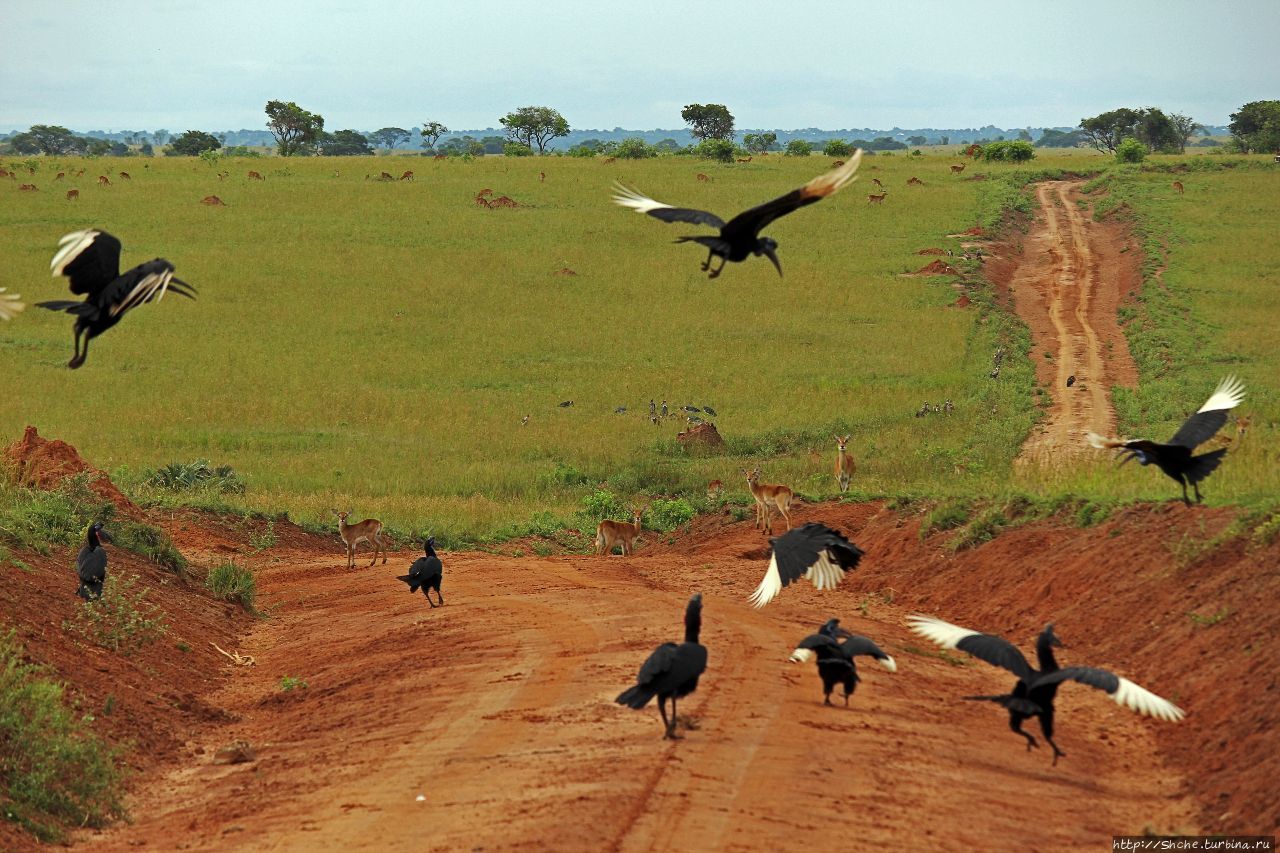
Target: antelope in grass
x,y
407,176
768,498
1177,185
73,195
255,176
104,181
844,463
714,488
957,169
876,198
369,530
611,533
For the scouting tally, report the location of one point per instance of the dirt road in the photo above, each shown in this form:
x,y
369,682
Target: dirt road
x,y
1067,284
497,709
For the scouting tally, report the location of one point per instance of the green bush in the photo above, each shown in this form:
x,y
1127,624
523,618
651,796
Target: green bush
x,y
54,772
1011,151
516,149
181,477
582,151
122,619
945,516
150,542
290,683
720,150
799,148
232,582
601,504
1131,151
634,148
664,515
837,148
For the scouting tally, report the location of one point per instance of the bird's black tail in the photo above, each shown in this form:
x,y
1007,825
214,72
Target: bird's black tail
x,y
410,580
635,697
1204,465
1011,703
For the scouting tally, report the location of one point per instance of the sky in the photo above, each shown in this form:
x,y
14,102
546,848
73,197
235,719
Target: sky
x,y
213,64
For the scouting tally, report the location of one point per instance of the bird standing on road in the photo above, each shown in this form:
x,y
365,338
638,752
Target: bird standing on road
x,y
1175,458
740,237
835,659
814,552
671,672
91,563
1033,695
426,573
91,260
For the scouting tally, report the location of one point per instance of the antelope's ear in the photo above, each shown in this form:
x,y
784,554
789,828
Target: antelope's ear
x,y
847,437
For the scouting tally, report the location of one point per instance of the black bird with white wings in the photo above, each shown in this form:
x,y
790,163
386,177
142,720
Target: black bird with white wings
x,y
1033,695
740,238
426,573
814,552
91,563
91,260
672,671
835,658
1175,458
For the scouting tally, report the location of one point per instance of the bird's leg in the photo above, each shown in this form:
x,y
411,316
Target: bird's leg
x,y
1057,753
440,596
77,356
666,724
1015,723
1046,726
672,733
706,265
1196,486
826,698
1186,500
715,273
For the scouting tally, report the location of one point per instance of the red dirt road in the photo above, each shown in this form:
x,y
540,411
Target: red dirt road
x,y
497,708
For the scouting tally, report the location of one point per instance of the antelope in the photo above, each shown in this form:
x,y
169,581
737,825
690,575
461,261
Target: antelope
x,y
503,201
844,463
1177,185
542,176
73,195
714,488
125,176
836,164
212,200
957,169
255,176
611,533
104,181
28,188
768,497
1242,426
876,181
875,198
703,177
744,159
58,176
407,176
369,530
609,160
5,173
914,181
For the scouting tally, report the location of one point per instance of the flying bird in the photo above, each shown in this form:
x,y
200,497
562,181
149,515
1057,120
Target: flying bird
x,y
91,260
91,563
740,237
426,573
10,305
835,659
1033,695
1175,458
672,671
814,552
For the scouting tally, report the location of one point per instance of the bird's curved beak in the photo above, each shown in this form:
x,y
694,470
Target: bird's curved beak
x,y
1127,456
771,255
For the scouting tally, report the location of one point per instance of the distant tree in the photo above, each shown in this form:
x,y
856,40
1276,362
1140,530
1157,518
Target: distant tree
x,y
161,136
917,140
1024,135
1184,127
516,149
837,148
1059,139
799,148
294,128
634,148
535,126
1207,142
431,132
459,146
1105,131
1256,126
886,143
720,150
493,144
343,143
758,143
146,150
1131,150
709,121
1157,131
945,140
581,151
667,146
193,143
593,145
98,147
390,137
55,139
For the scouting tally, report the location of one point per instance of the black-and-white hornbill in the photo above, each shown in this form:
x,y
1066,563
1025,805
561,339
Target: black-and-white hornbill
x,y
1175,458
740,238
672,671
11,305
814,552
426,573
91,260
91,563
1033,695
835,658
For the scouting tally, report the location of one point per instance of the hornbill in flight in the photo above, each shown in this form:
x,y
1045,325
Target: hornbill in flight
x,y
740,238
91,260
91,563
672,671
835,659
10,305
1033,695
814,552
426,573
1175,458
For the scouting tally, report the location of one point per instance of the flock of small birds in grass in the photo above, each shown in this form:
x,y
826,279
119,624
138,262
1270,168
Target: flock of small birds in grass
x,y
90,260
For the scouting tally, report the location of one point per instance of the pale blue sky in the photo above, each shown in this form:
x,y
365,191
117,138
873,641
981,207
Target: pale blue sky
x,y
212,65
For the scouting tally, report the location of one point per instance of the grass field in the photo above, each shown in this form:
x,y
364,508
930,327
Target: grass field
x,y
374,346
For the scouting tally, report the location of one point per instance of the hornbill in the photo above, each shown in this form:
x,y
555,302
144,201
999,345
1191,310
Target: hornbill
x,y
814,552
10,305
740,237
91,563
1175,458
1033,695
91,260
426,572
835,659
672,671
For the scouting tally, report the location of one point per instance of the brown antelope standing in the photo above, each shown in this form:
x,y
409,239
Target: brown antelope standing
x,y
876,181
73,195
768,498
957,169
1177,185
369,530
542,176
610,533
255,176
407,176
714,488
876,198
844,463
59,176
104,181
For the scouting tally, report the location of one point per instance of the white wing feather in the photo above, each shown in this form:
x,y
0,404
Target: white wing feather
x,y
824,574
801,656
943,633
1228,395
10,306
69,248
769,587
1143,701
634,200
888,663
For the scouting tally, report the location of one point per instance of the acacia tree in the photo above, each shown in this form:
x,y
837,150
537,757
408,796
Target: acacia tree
x,y
193,143
1184,127
535,126
55,139
390,137
1106,131
709,121
293,127
343,143
1256,127
758,143
431,132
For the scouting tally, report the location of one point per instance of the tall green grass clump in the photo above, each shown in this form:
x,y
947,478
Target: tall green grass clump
x,y
122,619
232,582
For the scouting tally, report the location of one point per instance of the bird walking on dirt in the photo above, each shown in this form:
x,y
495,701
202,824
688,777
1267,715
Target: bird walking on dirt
x,y
1175,458
426,573
1033,695
814,552
740,238
835,658
91,260
91,563
671,672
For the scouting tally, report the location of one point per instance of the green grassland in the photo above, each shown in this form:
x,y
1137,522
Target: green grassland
x,y
374,345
